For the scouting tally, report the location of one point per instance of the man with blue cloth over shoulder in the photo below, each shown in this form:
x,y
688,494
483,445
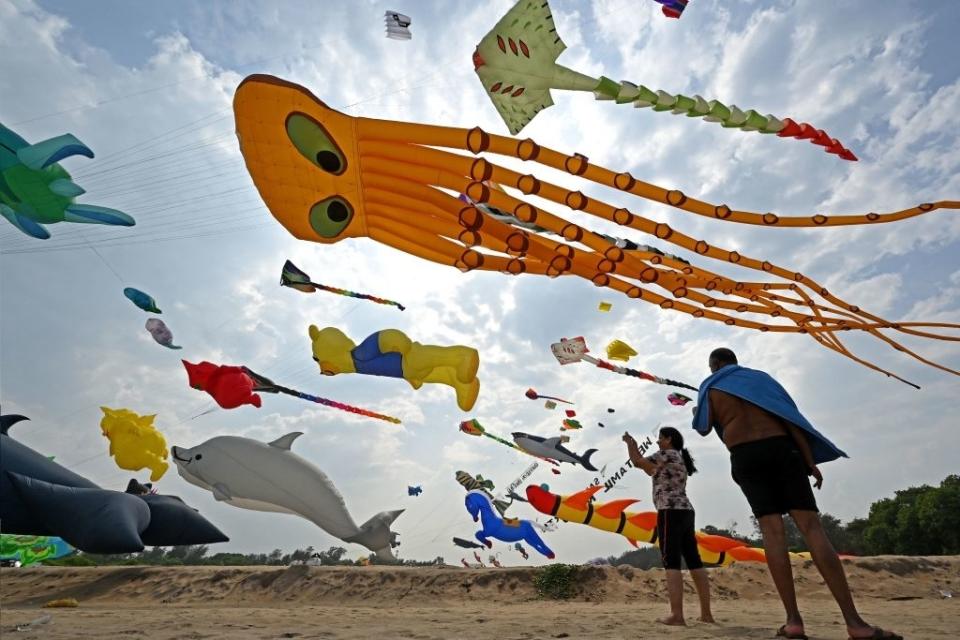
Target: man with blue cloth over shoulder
x,y
773,450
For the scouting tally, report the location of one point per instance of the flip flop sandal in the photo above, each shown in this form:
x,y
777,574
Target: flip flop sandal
x,y
880,634
782,633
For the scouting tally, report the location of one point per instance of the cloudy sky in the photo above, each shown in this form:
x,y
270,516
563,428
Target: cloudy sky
x,y
148,86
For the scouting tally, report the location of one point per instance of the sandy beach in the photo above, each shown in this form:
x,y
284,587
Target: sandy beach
x,y
159,603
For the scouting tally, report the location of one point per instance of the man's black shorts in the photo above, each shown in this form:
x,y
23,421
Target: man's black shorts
x,y
773,476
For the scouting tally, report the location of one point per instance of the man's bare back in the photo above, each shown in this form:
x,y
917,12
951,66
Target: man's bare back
x,y
741,421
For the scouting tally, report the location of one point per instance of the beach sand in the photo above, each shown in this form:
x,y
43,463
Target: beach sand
x,y
154,603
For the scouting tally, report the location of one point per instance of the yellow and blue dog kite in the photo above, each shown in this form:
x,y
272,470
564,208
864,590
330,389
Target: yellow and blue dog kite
x,y
390,353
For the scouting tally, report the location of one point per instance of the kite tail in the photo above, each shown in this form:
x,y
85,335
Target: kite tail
x,y
339,405
729,117
295,278
533,395
266,385
675,383
275,388
354,294
636,373
500,440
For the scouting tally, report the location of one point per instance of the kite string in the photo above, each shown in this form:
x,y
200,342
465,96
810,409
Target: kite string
x,y
423,519
449,524
104,260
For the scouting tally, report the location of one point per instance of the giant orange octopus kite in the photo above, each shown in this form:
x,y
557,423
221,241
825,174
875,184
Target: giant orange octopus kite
x,y
327,176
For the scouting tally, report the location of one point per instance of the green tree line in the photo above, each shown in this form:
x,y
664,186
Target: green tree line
x,y
197,555
919,521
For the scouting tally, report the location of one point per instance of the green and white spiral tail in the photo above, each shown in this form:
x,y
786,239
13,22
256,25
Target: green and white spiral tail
x,y
729,116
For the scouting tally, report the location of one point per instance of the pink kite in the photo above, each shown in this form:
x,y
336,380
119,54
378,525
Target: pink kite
x,y
533,395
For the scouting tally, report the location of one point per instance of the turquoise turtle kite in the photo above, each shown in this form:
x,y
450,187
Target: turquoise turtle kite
x,y
142,299
35,190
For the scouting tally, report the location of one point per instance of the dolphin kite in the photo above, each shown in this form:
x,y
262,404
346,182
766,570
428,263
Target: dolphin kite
x,y
250,474
553,449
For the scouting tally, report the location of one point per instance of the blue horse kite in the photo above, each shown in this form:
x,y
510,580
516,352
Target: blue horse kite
x,y
505,529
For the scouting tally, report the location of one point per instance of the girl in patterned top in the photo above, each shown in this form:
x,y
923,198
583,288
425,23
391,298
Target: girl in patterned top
x,y
670,467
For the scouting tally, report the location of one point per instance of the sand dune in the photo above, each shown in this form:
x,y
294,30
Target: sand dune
x,y
155,603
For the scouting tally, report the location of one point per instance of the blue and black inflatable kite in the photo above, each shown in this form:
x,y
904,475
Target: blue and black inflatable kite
x,y
40,497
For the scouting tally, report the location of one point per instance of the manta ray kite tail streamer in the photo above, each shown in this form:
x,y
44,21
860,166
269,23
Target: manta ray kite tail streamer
x,y
393,182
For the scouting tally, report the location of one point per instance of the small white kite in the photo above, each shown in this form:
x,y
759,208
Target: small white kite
x,y
397,24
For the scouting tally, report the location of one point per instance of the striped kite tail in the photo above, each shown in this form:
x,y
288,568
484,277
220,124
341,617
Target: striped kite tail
x,y
730,117
354,294
676,383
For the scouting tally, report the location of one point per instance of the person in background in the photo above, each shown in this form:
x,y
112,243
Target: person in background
x,y
669,468
137,489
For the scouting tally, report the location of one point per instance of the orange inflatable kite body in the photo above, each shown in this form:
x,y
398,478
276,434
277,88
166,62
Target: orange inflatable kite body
x,y
327,176
610,516
635,526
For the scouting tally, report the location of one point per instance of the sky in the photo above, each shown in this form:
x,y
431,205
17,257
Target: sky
x,y
148,86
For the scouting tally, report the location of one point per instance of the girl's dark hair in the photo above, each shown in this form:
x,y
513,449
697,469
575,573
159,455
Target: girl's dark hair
x,y
676,441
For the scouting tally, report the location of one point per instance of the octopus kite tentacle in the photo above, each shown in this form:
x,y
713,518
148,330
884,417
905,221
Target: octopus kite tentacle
x,y
435,159
437,200
430,195
327,176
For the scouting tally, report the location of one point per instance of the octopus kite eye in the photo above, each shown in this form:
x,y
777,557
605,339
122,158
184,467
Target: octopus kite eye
x,y
330,217
315,144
